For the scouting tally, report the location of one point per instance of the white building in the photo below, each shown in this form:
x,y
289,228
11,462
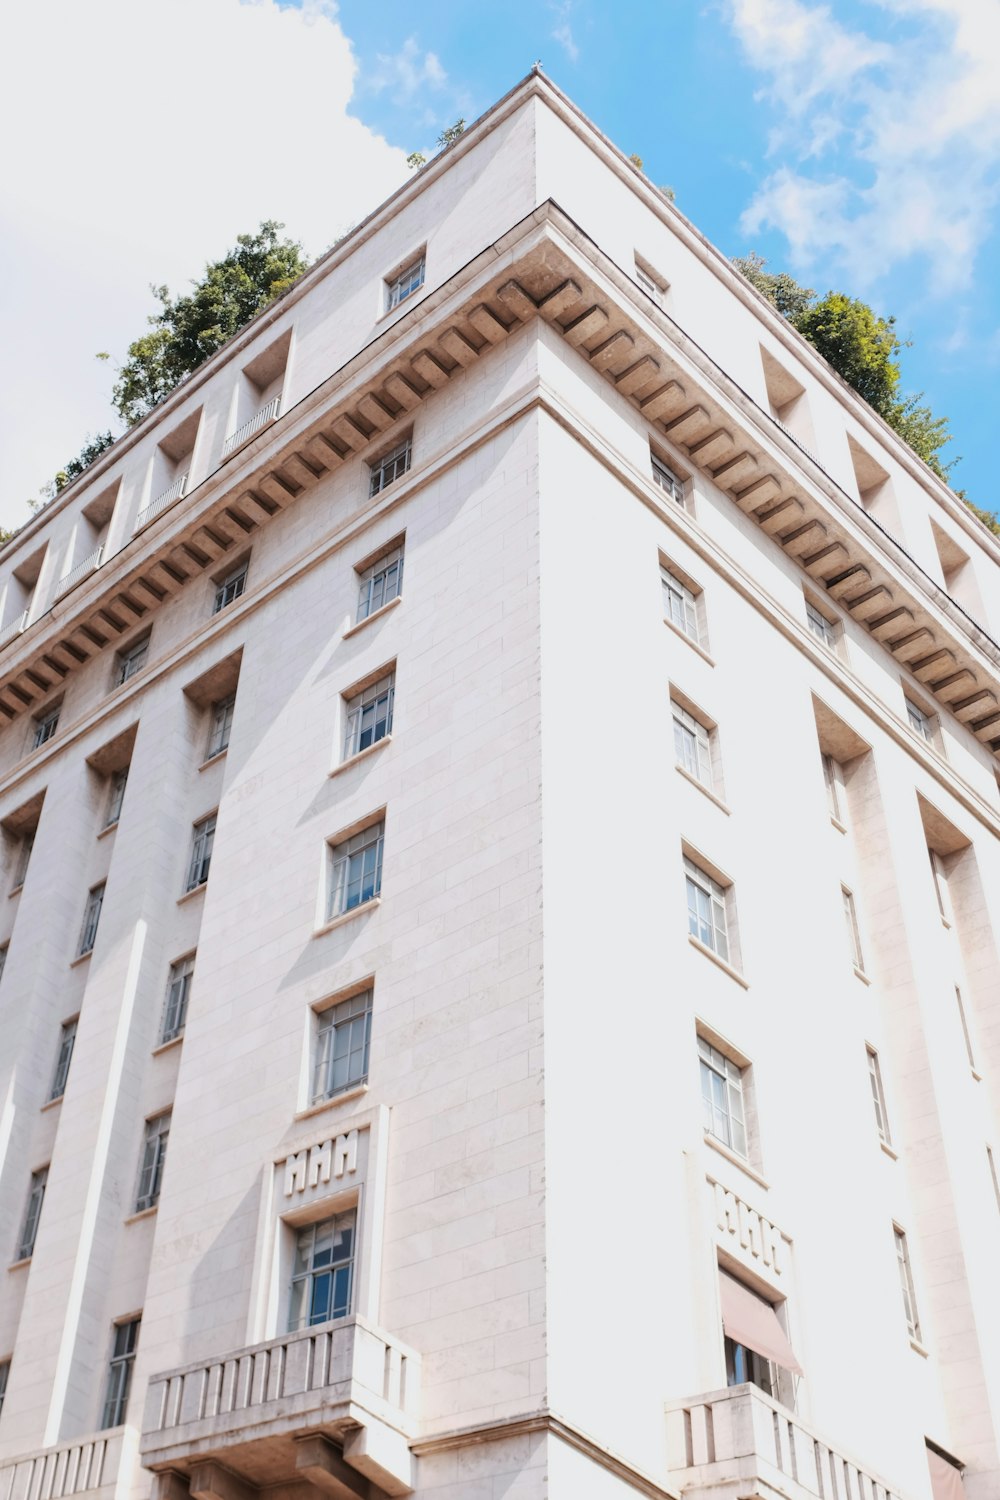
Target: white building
x,y
589,1021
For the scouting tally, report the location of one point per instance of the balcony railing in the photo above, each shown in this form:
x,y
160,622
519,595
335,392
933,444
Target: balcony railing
x,y
72,1468
245,1408
739,1442
162,502
92,561
15,627
251,427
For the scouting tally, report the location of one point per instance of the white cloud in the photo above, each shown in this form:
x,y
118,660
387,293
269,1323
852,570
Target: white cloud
x,y
562,32
886,153
141,139
406,72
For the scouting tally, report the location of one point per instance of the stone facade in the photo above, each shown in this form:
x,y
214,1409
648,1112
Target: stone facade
x,y
596,583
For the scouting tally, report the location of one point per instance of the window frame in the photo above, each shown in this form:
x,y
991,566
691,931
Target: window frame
x,y
386,565
391,464
357,1007
923,722
683,604
311,1273
357,701
117,782
854,944
339,876
152,1159
878,1096
906,1283
719,901
28,1233
130,659
45,725
200,860
833,781
734,1077
684,721
400,286
91,919
831,633
175,1005
220,725
4,1378
25,845
666,478
118,1384
230,586
64,1058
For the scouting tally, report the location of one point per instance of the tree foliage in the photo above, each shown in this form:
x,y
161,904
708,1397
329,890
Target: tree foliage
x,y
189,328
450,135
92,448
780,289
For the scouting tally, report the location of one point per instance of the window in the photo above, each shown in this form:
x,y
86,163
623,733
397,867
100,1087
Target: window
x,y
231,587
691,744
823,629
680,605
940,876
201,852
993,1174
920,721
757,1346
647,283
91,917
220,726
409,280
706,900
853,934
24,849
381,583
906,1283
832,781
32,1214
178,990
116,796
369,715
131,660
722,1097
665,477
45,727
392,465
323,1271
126,1336
4,1377
67,1041
355,870
3,958
342,1038
966,1033
154,1154
878,1097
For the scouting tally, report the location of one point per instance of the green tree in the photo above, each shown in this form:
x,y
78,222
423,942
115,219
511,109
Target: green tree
x,y
92,448
636,161
450,135
416,160
189,328
780,289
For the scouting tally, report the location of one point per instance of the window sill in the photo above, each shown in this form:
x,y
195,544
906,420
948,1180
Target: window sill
x,y
840,827
81,958
196,890
890,1153
919,1348
51,1103
347,916
352,760
735,1158
141,1213
15,890
102,833
689,640
174,1041
726,967
356,1092
860,974
375,615
977,1076
219,755
16,1265
712,797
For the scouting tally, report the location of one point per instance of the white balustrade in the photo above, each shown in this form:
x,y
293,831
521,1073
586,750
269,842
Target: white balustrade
x,y
8,633
251,427
158,506
90,562
72,1468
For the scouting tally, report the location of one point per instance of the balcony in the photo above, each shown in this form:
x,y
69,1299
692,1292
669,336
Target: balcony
x,y
737,1444
82,569
251,427
9,632
335,1406
82,1466
162,502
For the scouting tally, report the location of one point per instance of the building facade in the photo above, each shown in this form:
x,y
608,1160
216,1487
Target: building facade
x,y
364,954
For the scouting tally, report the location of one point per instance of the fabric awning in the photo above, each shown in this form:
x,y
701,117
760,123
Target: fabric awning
x,y
946,1480
751,1321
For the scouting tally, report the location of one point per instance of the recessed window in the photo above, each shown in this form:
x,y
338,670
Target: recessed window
x,y
878,1097
940,878
833,781
823,629
407,281
323,1272
651,281
355,870
991,1163
67,1041
757,1347
343,1034
32,1214
682,604
966,1031
921,722
220,726
24,848
3,957
4,1377
707,901
154,1155
229,588
664,476
201,852
131,660
45,726
390,467
380,583
906,1283
176,1004
692,744
91,918
116,796
853,932
723,1113
369,715
123,1346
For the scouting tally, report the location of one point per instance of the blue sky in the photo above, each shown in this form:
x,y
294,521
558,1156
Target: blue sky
x,y
855,143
